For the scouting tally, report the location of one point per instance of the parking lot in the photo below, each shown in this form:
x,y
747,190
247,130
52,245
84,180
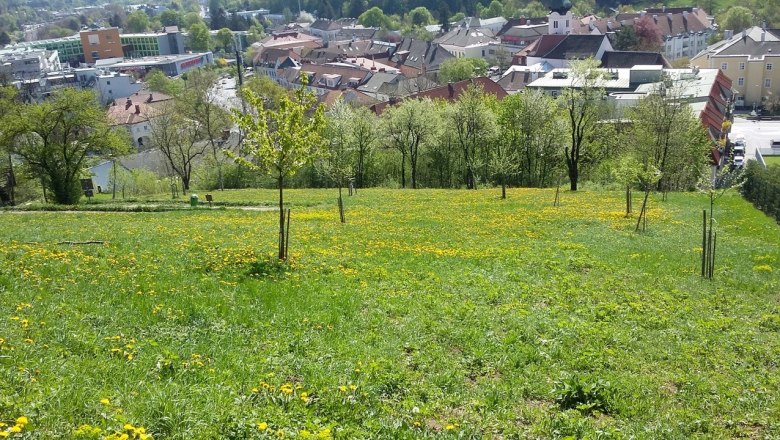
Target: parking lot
x,y
757,134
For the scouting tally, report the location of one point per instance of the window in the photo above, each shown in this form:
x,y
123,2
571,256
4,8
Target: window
x,y
567,23
93,39
767,83
741,66
108,83
554,93
555,25
724,66
741,81
768,66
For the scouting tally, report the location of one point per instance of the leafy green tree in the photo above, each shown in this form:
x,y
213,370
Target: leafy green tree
x,y
270,90
535,9
496,9
190,19
364,136
409,127
458,69
179,139
583,106
55,137
472,120
157,81
420,16
626,39
736,18
256,33
200,39
200,103
373,17
457,17
280,142
170,17
666,135
137,22
224,39
337,162
530,125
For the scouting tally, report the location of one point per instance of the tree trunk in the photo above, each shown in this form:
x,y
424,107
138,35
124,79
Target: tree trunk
x,y
341,206
503,189
573,176
282,254
113,190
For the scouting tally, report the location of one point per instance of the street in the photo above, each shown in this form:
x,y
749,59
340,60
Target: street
x,y
757,134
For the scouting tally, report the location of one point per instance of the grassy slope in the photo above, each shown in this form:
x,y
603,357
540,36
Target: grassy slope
x,y
450,312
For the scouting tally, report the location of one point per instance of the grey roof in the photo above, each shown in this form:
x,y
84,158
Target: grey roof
x,y
576,47
351,33
746,43
332,25
415,53
464,37
377,80
628,59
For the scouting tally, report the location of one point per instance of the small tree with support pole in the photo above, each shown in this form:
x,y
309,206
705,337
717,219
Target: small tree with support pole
x,y
281,141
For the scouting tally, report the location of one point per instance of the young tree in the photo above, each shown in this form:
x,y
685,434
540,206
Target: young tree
x,y
473,122
666,135
736,18
530,125
458,69
410,126
626,38
55,137
420,16
279,142
137,22
582,103
363,135
373,17
338,160
200,39
179,139
200,103
225,39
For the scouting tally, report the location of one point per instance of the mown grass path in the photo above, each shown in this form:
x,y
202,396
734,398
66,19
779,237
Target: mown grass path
x,y
430,313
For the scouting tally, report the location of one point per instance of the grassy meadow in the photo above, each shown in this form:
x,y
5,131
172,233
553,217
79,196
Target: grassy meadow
x,y
431,313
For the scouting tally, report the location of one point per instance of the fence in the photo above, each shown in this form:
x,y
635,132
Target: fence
x,y
762,188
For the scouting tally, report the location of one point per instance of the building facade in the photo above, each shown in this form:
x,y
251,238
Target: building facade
x,y
99,44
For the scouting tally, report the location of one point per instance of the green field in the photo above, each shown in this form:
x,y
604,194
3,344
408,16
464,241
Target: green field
x,y
772,160
435,313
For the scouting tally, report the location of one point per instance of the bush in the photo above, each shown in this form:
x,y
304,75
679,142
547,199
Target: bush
x,y
762,188
573,392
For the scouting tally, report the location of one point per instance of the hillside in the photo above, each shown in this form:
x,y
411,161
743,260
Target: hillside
x,y
444,313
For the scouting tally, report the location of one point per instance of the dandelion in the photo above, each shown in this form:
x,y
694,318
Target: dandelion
x,y
449,427
105,402
286,388
262,426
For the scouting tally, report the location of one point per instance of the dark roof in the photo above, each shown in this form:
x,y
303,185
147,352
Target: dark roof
x,y
464,36
751,47
416,53
332,25
272,55
356,34
451,92
512,22
575,47
343,74
541,46
359,49
627,59
515,81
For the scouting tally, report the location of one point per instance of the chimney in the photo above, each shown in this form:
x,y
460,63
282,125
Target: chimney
x,y
128,103
451,90
137,109
727,34
663,8
655,18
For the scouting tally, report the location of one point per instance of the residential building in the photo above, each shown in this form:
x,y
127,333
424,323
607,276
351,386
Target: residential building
x,y
523,35
115,86
627,59
415,57
328,29
465,42
494,25
751,59
297,41
322,78
100,44
515,78
26,63
336,51
135,113
684,30
560,50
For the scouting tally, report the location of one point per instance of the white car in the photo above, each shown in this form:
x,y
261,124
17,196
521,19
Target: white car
x,y
739,161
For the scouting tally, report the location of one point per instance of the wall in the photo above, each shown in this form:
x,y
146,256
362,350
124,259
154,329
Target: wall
x,y
101,44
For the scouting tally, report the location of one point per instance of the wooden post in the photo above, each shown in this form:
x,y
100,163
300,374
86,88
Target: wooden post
x,y
712,259
704,242
287,236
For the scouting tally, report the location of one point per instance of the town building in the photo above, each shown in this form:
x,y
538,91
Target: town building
x,y
465,42
135,113
327,30
449,92
751,59
168,42
69,49
101,43
26,63
560,50
171,65
419,57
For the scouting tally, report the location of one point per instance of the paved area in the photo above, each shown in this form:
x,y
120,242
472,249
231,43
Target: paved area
x,y
757,134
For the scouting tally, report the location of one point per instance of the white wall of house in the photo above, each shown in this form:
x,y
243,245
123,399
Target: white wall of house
x,y
558,24
141,134
111,87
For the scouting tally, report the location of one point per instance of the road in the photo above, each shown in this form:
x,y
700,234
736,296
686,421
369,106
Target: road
x,y
757,134
226,93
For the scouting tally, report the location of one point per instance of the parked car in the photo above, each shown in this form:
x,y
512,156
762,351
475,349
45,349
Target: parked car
x,y
739,161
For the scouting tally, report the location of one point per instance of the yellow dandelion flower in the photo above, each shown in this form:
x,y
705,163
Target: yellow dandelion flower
x,y
15,429
449,427
4,434
343,388
105,402
262,426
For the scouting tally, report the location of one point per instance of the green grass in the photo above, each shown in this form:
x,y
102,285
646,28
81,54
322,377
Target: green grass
x,y
436,313
772,160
